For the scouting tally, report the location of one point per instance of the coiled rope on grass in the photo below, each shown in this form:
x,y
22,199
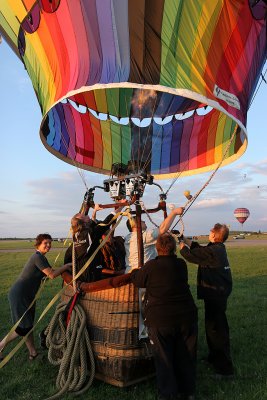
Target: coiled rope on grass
x,y
70,348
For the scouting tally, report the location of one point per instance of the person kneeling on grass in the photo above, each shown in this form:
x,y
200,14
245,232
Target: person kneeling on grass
x,y
24,291
171,318
214,285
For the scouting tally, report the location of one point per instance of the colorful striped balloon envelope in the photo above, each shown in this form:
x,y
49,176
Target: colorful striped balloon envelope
x,y
241,214
166,84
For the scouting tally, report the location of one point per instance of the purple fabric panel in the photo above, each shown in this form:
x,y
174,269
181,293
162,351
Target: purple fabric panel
x,y
122,41
176,144
80,33
166,148
185,143
163,105
95,52
259,60
64,133
156,148
57,138
51,126
104,14
70,126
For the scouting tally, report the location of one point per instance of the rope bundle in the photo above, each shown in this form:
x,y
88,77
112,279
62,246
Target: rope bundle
x,y
71,349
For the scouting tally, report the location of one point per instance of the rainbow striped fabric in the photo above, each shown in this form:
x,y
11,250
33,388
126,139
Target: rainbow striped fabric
x,y
164,83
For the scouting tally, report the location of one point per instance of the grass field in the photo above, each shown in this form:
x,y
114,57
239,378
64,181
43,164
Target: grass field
x,y
247,316
24,244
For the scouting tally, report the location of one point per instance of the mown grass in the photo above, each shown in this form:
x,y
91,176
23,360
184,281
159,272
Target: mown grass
x,y
23,380
25,244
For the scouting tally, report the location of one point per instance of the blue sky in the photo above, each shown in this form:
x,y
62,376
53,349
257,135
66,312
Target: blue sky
x,y
40,193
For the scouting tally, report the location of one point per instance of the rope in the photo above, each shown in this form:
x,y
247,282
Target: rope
x,y
193,199
181,231
147,214
70,348
74,267
56,297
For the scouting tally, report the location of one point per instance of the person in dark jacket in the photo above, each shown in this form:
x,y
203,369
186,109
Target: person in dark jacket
x,y
87,235
171,318
214,285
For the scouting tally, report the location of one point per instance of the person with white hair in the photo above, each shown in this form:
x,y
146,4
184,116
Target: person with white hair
x,y
149,239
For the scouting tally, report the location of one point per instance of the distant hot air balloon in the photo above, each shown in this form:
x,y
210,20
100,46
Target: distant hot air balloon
x,y
241,215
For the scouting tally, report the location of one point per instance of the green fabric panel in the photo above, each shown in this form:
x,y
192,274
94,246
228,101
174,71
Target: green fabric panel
x,y
113,100
116,142
125,102
228,132
170,29
126,143
188,36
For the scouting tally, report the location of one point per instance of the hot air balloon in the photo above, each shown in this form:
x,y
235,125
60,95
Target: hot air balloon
x,y
241,215
163,86
156,82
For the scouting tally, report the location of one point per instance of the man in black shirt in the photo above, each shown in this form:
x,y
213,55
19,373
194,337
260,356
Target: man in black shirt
x,y
171,318
214,285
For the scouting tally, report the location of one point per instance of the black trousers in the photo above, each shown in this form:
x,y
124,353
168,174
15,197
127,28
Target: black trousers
x,y
174,351
217,334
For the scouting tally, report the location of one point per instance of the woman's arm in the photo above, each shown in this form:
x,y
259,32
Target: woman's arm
x,y
54,273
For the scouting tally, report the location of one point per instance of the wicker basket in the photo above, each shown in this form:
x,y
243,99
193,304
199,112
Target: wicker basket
x,y
113,323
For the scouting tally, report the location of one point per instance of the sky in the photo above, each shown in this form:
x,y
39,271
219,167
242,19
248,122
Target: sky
x,y
40,193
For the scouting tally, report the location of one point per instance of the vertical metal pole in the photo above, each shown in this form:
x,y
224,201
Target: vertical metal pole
x,y
140,245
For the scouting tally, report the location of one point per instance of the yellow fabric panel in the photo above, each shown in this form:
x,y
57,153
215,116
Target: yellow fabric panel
x,y
19,9
45,79
204,34
101,100
107,145
186,44
101,105
219,138
8,13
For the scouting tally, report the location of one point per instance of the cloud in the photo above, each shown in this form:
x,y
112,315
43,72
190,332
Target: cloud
x,y
211,203
51,201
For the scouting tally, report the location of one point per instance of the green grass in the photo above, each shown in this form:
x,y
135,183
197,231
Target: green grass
x,y
25,244
247,316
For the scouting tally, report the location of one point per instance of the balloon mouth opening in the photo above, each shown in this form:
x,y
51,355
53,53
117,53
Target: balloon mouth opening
x,y
93,127
138,107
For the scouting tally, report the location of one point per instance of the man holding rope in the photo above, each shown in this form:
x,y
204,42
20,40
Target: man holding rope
x,y
214,285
